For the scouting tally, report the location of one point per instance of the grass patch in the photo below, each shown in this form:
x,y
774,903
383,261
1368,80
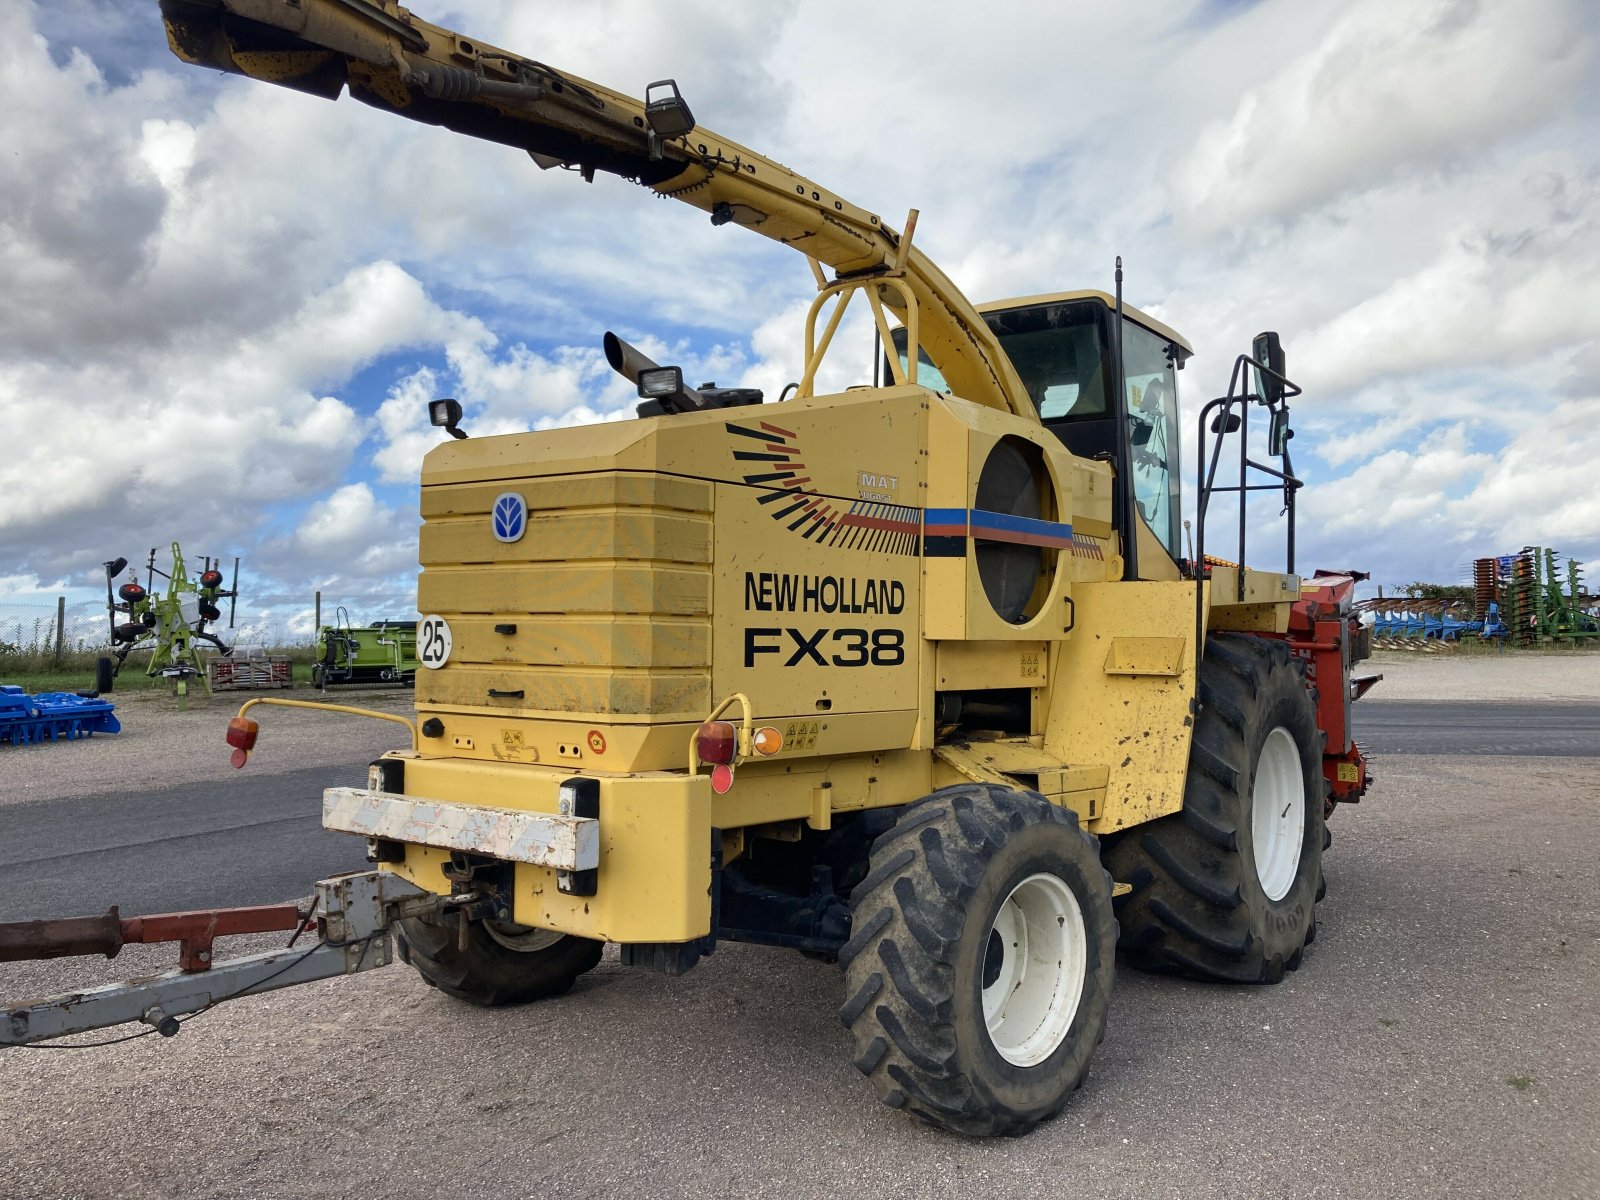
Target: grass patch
x,y
1520,1082
33,672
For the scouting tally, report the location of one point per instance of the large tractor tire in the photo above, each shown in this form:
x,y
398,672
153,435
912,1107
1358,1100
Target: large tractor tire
x,y
502,964
1227,888
980,963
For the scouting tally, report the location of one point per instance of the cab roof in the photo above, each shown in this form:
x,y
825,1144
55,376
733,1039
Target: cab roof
x,y
1159,328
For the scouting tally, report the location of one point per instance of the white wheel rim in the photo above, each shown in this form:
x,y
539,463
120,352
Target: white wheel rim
x,y
1278,813
1034,964
522,938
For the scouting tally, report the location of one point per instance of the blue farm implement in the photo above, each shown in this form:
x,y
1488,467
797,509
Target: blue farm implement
x,y
52,717
1429,625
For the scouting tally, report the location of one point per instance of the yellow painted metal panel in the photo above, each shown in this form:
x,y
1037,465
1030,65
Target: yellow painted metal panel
x,y
1147,655
589,588
1138,726
586,534
655,849
968,665
1250,618
583,641
767,791
813,620
665,694
591,489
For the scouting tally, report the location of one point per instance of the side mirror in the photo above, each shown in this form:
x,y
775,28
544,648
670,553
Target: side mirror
x,y
1267,351
1279,433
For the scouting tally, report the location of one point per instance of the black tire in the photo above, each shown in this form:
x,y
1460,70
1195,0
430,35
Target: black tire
x,y
1198,906
489,972
105,675
924,917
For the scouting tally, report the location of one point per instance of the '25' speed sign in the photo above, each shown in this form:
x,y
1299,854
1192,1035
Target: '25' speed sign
x,y
433,642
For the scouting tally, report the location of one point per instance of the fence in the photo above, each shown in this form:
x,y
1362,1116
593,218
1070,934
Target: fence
x,y
35,636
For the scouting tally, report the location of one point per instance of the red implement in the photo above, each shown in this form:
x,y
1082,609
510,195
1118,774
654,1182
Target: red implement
x,y
193,931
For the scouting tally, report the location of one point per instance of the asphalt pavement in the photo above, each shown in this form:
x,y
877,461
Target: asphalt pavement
x,y
253,839
1441,1039
1502,727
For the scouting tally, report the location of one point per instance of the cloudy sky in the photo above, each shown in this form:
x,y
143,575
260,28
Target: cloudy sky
x,y
225,304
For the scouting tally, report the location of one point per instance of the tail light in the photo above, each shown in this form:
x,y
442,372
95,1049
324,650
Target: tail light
x,y
717,742
767,741
242,737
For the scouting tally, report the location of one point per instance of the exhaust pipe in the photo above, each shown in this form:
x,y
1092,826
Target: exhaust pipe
x,y
629,362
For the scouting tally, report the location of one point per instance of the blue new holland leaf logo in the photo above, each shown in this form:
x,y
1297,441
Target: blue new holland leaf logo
x,y
509,517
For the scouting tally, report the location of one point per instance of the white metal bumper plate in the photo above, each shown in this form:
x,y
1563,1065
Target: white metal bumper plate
x,y
543,839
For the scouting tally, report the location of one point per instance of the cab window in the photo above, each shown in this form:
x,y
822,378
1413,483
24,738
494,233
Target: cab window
x,y
1153,430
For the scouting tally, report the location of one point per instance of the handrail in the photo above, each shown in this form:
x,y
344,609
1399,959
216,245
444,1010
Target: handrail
x,y
1205,481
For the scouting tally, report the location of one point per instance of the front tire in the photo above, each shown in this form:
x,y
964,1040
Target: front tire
x,y
1227,888
502,964
979,968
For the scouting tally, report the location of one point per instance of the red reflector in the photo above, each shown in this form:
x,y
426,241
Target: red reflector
x,y
721,779
242,733
240,757
715,742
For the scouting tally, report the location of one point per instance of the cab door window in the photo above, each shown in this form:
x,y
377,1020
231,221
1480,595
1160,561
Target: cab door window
x,y
1153,431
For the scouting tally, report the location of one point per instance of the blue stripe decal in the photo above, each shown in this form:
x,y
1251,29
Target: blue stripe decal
x,y
1004,521
944,516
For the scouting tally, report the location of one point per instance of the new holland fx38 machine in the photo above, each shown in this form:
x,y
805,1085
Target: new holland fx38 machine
x,y
918,676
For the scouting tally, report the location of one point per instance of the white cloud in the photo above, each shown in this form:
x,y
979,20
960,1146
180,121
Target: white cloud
x,y
1385,89
199,269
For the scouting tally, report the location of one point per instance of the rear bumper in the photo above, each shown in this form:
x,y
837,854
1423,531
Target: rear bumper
x,y
649,846
541,839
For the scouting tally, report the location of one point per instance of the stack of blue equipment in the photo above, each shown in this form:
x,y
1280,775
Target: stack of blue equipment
x,y
52,716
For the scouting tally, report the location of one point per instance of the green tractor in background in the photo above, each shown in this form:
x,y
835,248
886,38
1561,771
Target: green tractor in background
x,y
169,625
383,652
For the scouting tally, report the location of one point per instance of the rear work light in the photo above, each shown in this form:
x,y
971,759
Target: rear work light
x,y
717,742
655,382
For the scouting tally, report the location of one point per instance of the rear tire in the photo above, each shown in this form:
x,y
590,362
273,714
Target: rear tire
x,y
979,968
505,965
1227,888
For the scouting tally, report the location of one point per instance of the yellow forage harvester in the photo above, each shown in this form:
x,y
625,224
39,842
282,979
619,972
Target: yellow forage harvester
x,y
983,701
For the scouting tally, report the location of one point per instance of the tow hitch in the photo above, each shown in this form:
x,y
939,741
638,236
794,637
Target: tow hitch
x,y
352,915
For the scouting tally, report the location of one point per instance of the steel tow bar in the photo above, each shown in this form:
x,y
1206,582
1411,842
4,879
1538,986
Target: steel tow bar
x,y
353,915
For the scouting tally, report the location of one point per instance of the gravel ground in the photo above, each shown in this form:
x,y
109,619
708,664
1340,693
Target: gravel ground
x,y
1441,1039
160,746
1524,675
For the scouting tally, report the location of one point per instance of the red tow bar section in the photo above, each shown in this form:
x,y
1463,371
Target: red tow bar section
x,y
193,931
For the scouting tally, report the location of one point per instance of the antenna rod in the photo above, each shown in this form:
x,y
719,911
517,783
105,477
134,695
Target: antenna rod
x,y
233,600
1130,509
